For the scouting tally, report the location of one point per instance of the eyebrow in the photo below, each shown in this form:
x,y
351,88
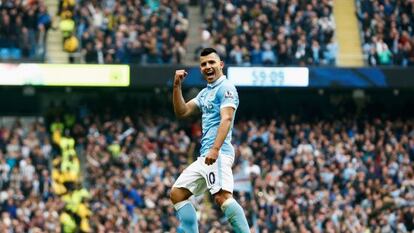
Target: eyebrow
x,y
208,61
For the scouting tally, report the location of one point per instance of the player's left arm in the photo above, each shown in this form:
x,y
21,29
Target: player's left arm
x,y
226,114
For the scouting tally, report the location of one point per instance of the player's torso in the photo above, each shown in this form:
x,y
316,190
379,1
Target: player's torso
x,y
210,101
210,108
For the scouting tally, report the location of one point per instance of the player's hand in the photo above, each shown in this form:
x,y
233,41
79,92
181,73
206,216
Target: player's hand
x,y
179,77
212,156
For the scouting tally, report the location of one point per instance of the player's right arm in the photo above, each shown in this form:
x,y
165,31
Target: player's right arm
x,y
181,108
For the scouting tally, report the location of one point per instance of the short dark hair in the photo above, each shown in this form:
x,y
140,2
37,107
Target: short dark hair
x,y
207,51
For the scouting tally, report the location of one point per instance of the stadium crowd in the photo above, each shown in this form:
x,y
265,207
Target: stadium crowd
x,y
331,176
281,32
272,32
142,32
291,174
23,29
325,176
387,28
155,32
27,202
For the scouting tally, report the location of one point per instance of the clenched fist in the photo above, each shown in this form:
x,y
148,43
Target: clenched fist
x,y
212,156
179,77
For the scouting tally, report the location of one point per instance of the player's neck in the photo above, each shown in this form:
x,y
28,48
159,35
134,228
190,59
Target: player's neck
x,y
217,81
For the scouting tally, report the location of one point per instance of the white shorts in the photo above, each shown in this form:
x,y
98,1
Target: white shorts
x,y
198,177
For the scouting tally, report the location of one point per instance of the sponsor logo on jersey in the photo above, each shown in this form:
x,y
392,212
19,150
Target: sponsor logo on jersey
x,y
228,94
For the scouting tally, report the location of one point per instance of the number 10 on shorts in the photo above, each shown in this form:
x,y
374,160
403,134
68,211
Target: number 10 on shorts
x,y
211,178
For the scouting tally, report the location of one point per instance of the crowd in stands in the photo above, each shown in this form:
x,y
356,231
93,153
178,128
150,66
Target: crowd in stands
x,y
245,32
27,201
327,176
331,176
40,180
387,29
284,32
155,32
138,32
107,168
291,174
111,171
340,175
334,176
23,29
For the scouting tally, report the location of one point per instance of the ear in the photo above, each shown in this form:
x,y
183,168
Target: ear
x,y
222,64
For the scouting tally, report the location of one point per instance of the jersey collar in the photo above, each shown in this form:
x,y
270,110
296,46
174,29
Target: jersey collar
x,y
217,82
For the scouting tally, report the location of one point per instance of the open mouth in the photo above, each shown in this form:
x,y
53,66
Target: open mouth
x,y
210,74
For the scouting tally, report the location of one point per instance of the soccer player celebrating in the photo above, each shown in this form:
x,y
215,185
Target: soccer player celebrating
x,y
213,169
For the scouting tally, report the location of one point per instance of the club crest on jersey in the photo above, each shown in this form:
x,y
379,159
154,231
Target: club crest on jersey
x,y
208,107
228,94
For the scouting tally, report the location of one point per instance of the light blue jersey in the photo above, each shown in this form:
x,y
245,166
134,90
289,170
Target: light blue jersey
x,y
222,93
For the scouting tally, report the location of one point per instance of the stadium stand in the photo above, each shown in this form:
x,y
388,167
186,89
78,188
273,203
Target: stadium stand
x,y
23,30
140,32
302,33
337,162
27,197
341,174
103,32
272,32
387,30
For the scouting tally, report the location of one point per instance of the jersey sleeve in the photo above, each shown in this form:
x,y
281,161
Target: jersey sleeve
x,y
197,99
228,96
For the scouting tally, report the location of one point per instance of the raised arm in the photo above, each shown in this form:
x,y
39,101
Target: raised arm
x,y
181,108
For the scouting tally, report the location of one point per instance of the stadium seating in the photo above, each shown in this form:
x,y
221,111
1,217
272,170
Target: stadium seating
x,y
387,30
26,194
23,30
342,163
272,32
290,174
153,33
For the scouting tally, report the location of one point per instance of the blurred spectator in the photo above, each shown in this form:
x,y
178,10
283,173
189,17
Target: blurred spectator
x,y
67,25
331,52
387,28
285,32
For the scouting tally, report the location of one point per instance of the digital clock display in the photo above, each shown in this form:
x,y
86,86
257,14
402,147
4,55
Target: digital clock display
x,y
269,76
